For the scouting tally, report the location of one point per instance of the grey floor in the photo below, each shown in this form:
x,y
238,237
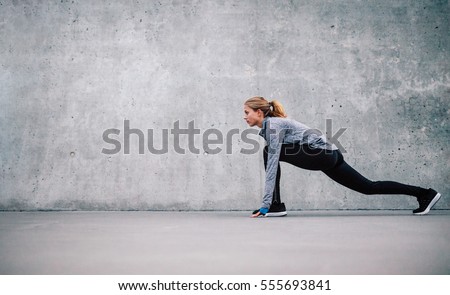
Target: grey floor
x,y
314,242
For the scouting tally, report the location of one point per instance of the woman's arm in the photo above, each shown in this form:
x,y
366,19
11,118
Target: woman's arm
x,y
274,138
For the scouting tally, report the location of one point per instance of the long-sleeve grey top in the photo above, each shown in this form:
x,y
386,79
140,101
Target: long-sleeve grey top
x,y
277,131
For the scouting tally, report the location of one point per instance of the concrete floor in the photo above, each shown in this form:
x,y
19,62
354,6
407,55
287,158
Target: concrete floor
x,y
315,242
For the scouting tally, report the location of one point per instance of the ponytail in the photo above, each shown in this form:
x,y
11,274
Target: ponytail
x,y
269,109
277,109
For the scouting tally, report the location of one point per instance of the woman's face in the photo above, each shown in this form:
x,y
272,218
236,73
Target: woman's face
x,y
253,117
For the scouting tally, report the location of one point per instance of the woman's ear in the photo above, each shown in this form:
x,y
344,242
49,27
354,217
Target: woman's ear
x,y
260,113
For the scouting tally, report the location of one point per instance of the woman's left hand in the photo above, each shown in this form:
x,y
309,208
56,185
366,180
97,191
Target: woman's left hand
x,y
261,212
257,214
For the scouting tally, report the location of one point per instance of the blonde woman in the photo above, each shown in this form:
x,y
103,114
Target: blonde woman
x,y
295,143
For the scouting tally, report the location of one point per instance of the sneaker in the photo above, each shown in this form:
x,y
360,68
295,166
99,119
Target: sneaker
x,y
427,201
277,210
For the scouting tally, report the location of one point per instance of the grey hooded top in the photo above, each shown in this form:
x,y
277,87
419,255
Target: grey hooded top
x,y
277,131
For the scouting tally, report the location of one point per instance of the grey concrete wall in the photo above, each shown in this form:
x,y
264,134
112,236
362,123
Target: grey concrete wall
x,y
72,69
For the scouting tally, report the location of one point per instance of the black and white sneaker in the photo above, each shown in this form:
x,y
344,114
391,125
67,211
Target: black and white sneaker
x,y
275,210
427,201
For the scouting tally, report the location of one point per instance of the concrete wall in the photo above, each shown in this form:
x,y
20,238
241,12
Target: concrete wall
x,y
72,69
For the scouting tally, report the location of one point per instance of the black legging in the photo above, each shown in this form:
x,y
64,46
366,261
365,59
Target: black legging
x,y
332,163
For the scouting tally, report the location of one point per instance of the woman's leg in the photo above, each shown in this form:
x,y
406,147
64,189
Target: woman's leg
x,y
332,163
345,175
301,156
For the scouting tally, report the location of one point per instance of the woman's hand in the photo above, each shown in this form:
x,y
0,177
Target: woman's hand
x,y
260,212
257,214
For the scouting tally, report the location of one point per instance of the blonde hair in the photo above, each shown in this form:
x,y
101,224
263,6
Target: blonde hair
x,y
270,109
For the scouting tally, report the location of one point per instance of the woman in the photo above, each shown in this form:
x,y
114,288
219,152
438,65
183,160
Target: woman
x,y
293,142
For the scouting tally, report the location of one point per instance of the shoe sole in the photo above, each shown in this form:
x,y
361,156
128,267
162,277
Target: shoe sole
x,y
434,201
276,214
